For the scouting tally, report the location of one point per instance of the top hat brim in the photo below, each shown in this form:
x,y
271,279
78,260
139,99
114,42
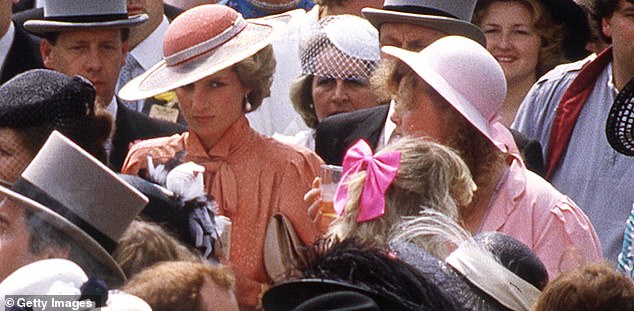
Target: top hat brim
x,y
288,295
163,78
70,231
448,25
42,26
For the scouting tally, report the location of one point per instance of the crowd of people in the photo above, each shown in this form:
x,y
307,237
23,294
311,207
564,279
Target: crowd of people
x,y
166,155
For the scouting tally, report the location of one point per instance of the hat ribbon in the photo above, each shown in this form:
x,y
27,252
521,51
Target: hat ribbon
x,y
380,170
201,48
482,270
34,192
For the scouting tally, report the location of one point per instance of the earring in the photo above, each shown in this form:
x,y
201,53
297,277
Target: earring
x,y
247,105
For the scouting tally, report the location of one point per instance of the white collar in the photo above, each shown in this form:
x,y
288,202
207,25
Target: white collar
x,y
611,85
388,128
5,44
150,50
113,109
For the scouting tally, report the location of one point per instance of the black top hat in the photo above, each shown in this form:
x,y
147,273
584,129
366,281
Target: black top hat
x,y
292,294
619,127
68,15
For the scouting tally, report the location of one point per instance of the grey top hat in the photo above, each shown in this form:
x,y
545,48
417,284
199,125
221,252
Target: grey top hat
x,y
67,15
82,196
449,16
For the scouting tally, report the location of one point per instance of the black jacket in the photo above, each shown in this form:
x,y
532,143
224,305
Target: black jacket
x,y
131,126
24,55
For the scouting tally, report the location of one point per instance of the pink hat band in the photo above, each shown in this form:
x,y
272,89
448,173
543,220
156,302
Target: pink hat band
x,y
201,48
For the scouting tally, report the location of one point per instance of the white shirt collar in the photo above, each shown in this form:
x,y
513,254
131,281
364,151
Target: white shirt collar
x,y
611,85
150,51
388,128
112,109
5,44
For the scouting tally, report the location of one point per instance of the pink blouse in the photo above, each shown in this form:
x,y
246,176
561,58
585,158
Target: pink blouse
x,y
532,211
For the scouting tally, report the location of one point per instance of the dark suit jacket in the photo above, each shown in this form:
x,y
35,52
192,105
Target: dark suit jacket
x,y
131,126
24,55
337,133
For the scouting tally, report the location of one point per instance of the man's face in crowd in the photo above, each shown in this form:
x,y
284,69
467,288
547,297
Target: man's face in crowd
x,y
14,238
97,55
408,36
620,27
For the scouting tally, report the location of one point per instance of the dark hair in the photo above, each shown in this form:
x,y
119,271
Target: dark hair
x,y
371,268
52,36
44,236
90,133
603,8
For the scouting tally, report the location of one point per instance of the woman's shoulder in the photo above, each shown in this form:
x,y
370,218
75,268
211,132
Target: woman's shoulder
x,y
160,149
159,142
276,150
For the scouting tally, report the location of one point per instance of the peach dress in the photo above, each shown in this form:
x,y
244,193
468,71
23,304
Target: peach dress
x,y
251,177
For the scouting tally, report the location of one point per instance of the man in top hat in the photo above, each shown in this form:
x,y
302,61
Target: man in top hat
x,y
566,111
18,51
412,25
90,38
66,204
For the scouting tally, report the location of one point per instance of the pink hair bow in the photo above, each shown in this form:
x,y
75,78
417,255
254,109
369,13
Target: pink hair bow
x,y
380,172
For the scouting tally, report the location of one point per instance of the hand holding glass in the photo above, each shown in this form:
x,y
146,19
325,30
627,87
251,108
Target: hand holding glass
x,y
330,176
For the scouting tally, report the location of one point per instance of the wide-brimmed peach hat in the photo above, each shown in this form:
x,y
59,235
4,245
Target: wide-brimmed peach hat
x,y
198,43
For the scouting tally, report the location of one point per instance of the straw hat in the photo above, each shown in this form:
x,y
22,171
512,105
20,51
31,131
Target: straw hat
x,y
68,15
452,17
84,199
465,74
198,43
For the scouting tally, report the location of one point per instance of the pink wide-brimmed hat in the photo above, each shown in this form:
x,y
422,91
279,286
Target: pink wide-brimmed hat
x,y
198,43
465,74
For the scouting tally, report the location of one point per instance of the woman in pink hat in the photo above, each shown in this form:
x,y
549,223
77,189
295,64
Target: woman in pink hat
x,y
451,92
220,67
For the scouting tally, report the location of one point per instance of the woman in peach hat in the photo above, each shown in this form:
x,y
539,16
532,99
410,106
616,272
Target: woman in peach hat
x,y
220,66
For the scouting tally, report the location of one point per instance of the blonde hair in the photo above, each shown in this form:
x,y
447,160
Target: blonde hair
x,y
144,244
430,177
256,72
